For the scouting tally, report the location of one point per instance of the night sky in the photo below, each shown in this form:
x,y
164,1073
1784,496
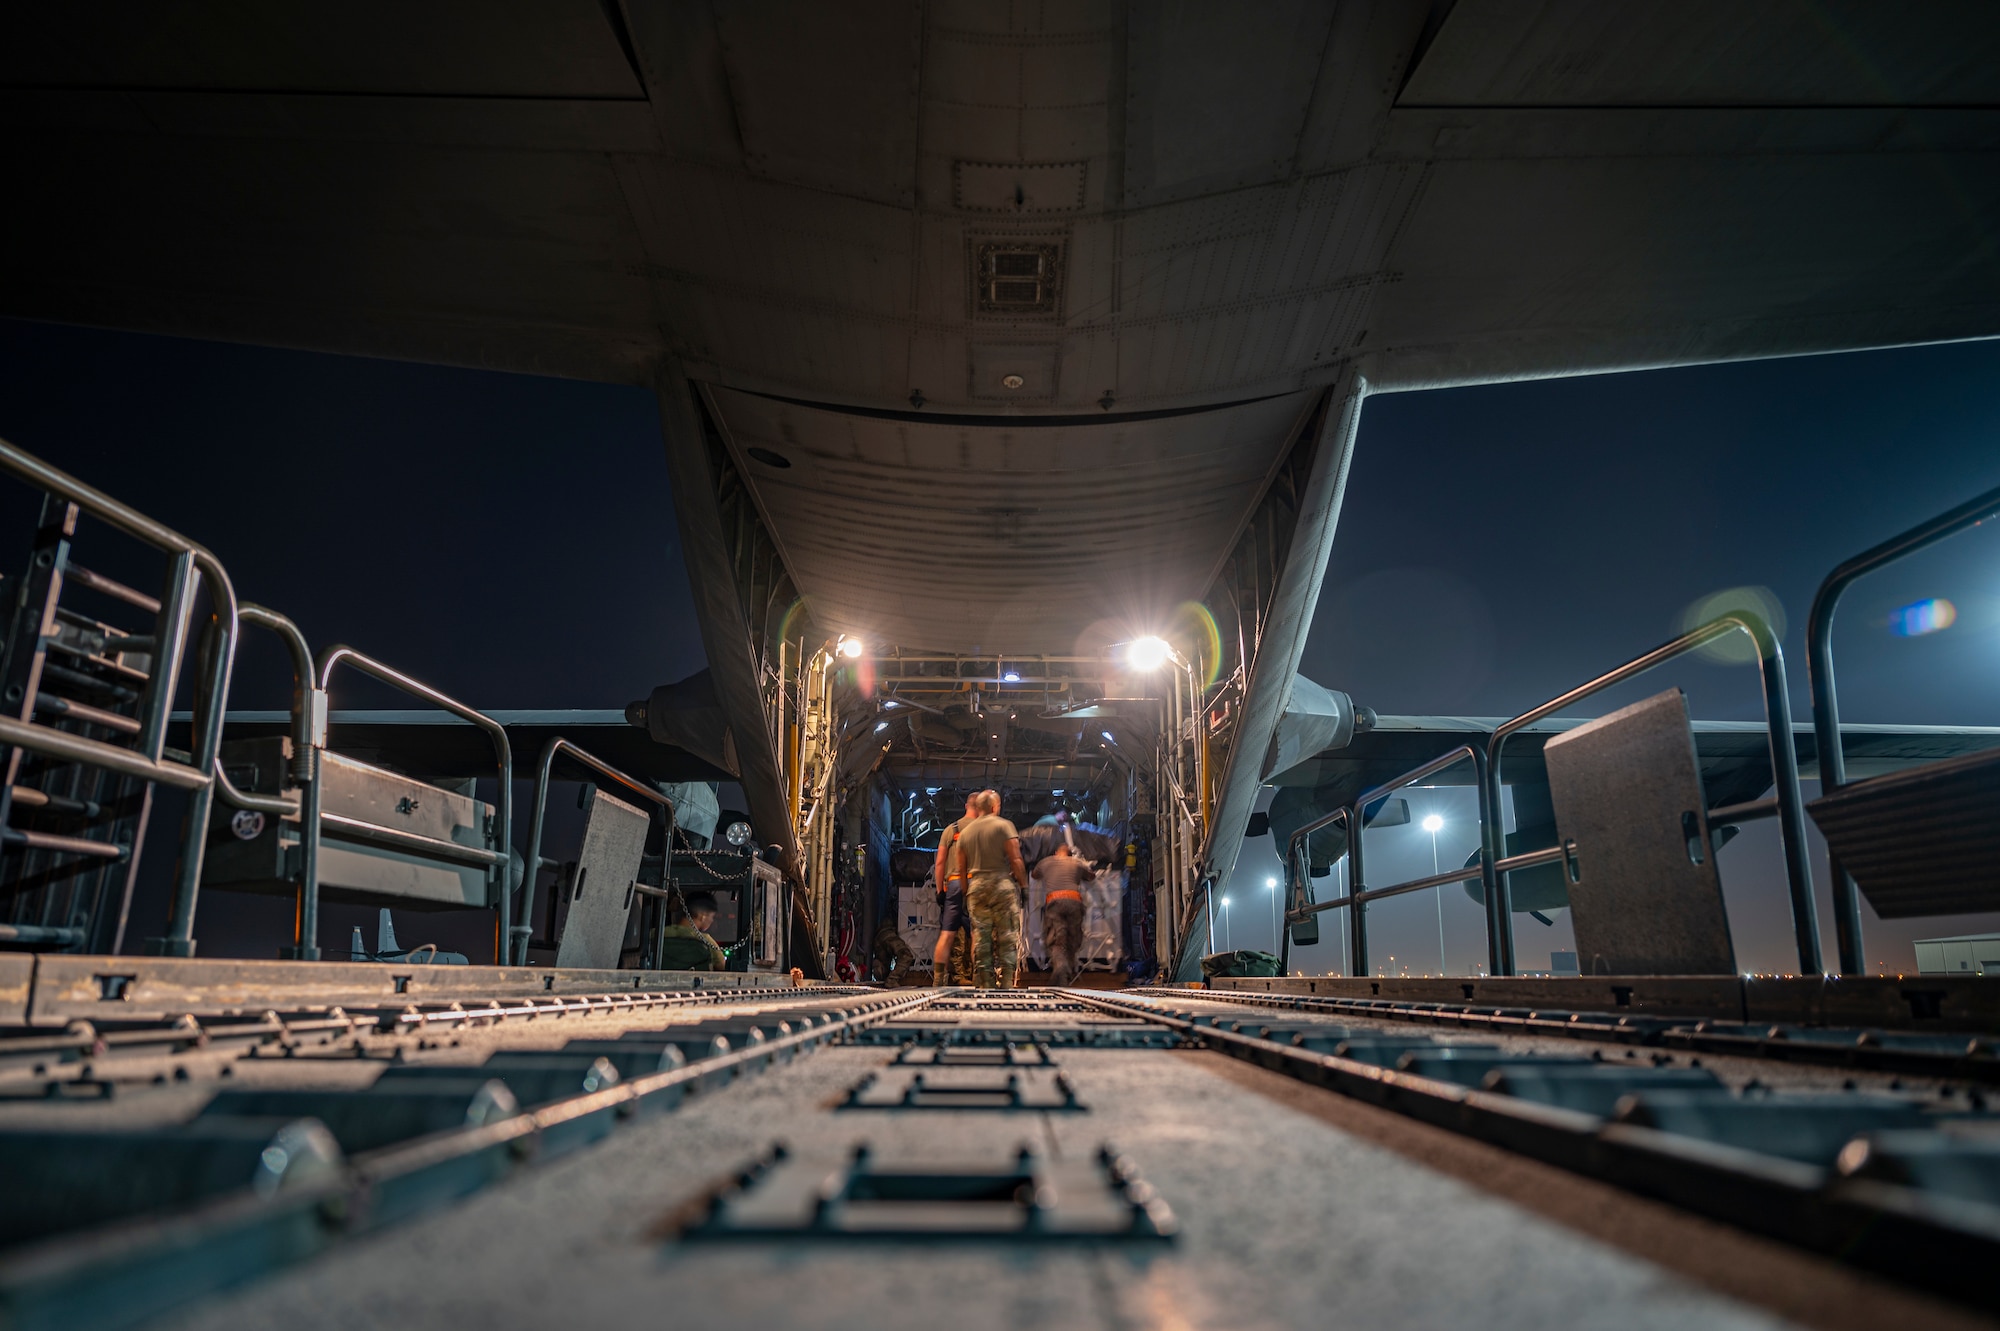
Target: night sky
x,y
511,539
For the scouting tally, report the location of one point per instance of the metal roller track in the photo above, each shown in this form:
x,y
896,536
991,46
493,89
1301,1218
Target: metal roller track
x,y
105,1113
1877,1176
546,1076
1960,1056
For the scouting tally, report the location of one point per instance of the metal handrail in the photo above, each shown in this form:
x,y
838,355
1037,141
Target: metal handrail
x,y
192,563
518,953
310,817
1826,708
308,719
1494,866
1784,775
342,828
1359,895
308,699
1355,816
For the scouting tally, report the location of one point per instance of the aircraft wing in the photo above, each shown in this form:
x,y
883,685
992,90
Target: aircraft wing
x,y
1733,755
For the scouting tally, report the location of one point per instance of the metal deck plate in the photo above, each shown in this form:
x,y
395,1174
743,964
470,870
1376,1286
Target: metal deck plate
x,y
1644,895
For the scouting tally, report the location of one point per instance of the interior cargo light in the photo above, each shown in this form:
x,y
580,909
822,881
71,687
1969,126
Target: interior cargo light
x,y
1147,653
850,647
1011,677
881,726
1107,735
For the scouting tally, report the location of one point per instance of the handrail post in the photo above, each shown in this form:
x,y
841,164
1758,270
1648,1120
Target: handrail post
x,y
1791,808
212,700
1826,707
1357,910
170,630
1495,881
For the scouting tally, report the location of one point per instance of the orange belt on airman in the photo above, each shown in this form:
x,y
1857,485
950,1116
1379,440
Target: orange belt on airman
x,y
1064,892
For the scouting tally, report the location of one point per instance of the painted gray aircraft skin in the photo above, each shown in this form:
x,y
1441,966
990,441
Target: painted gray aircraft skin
x,y
786,218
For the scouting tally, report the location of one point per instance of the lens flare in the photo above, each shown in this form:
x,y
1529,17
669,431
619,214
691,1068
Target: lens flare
x,y
1194,626
1921,617
1734,648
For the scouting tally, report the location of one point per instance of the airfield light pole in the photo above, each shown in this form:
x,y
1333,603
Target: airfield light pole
x,y
1225,924
1434,824
1277,915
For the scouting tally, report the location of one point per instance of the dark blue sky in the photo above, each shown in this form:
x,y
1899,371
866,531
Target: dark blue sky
x,y
511,539
508,539
1502,544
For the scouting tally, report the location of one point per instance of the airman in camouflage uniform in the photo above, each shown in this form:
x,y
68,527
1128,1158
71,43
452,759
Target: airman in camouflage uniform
x,y
992,850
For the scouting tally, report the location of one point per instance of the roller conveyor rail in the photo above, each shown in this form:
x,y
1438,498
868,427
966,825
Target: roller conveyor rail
x,y
326,1123
165,1159
1895,1177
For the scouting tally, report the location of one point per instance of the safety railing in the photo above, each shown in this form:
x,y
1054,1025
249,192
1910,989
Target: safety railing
x,y
1825,704
314,823
1354,817
145,760
1494,865
517,936
308,713
1786,804
181,915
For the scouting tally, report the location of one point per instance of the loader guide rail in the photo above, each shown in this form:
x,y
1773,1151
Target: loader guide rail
x,y
1878,1179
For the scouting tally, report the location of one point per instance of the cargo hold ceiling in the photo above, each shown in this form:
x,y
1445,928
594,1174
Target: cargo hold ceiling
x,y
1002,536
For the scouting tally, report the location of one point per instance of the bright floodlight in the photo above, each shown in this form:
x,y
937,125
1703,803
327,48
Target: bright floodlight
x,y
1147,653
1011,677
1433,824
851,647
1270,882
1225,901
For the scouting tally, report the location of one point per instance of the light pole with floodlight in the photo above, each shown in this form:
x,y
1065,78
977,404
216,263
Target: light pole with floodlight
x,y
1434,824
1277,915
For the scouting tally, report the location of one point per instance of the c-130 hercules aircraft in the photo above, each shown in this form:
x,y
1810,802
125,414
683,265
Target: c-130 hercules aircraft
x,y
984,263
